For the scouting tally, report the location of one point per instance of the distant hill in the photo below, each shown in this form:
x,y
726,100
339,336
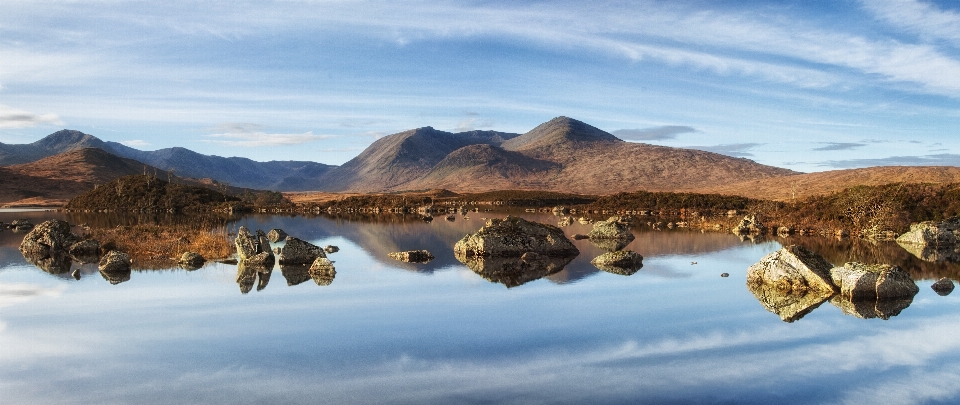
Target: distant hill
x,y
829,182
147,192
239,172
562,154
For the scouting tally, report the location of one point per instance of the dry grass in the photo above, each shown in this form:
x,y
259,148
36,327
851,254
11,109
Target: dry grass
x,y
157,246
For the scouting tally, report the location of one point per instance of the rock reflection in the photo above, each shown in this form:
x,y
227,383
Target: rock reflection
x,y
787,304
610,245
295,274
514,271
116,277
871,308
53,264
933,253
249,275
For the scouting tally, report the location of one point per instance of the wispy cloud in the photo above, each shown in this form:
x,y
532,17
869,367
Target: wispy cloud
x,y
14,118
653,133
831,146
470,124
942,159
921,18
729,149
136,143
254,135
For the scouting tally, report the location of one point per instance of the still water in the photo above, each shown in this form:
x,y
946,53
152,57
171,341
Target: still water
x,y
386,332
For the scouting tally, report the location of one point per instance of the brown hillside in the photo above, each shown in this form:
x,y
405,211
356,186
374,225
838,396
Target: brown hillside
x,y
88,165
829,182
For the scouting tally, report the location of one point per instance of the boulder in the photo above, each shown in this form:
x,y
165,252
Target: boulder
x,y
412,256
612,228
793,269
87,251
624,262
276,235
297,251
512,237
192,259
254,248
933,241
115,261
865,281
514,271
943,286
322,271
331,249
49,238
750,225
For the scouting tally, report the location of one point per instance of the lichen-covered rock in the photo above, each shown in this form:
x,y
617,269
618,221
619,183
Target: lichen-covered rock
x,y
254,248
49,238
750,225
789,306
115,261
793,269
943,286
933,241
322,271
412,256
276,235
612,228
512,237
514,271
859,281
297,251
624,262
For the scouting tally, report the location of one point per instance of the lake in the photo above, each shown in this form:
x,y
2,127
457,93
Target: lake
x,y
387,332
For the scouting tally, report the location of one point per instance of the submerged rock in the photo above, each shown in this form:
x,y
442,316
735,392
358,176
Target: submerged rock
x,y
943,286
412,256
514,271
49,238
512,237
750,225
933,241
87,251
612,228
322,271
276,235
624,262
859,281
297,251
793,269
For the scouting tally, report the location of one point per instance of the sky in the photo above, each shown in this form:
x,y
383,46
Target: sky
x,y
806,85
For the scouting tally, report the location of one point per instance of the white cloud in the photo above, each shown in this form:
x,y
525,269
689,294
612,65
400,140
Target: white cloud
x,y
253,135
136,143
917,17
14,118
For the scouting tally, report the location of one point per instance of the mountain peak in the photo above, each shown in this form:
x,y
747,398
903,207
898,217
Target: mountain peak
x,y
559,131
66,140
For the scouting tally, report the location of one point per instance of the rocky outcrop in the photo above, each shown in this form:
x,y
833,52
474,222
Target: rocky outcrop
x,y
943,286
191,260
794,270
750,225
322,271
514,271
512,237
254,249
297,251
49,238
933,241
612,228
276,235
412,256
864,281
624,262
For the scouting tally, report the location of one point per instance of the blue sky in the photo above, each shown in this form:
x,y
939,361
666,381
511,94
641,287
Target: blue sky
x,y
807,85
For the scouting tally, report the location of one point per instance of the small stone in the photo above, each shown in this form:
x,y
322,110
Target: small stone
x,y
76,274
275,235
724,274
943,286
331,249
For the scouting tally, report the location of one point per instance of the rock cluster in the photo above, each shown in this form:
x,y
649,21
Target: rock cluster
x,y
412,256
512,237
933,241
858,280
52,247
254,249
750,225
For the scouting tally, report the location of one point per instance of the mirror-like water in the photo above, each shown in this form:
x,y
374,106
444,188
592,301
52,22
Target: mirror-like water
x,y
383,331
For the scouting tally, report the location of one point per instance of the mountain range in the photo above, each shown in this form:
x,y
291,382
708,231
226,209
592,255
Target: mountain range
x,y
562,154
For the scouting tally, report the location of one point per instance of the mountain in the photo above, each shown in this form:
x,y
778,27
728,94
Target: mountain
x,y
829,182
55,179
399,159
236,171
562,154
